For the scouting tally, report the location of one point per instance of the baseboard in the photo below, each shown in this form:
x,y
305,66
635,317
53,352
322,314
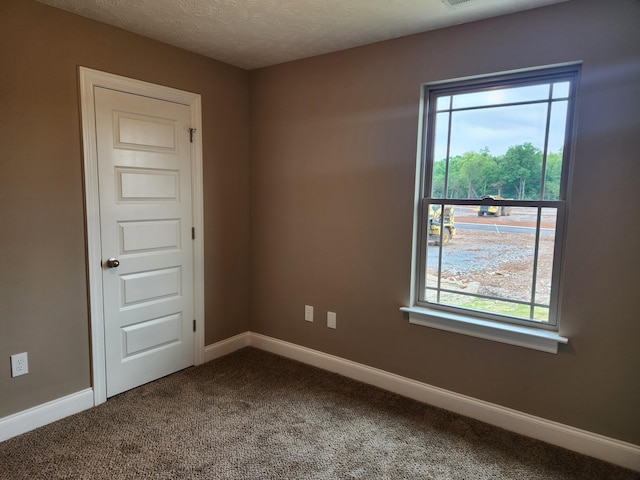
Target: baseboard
x,y
610,450
41,415
225,347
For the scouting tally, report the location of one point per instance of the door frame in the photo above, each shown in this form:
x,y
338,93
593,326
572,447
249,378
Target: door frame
x,y
90,79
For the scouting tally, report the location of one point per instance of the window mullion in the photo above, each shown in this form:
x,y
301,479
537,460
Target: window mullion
x,y
536,251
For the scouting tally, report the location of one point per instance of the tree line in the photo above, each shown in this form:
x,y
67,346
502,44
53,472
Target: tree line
x,y
517,174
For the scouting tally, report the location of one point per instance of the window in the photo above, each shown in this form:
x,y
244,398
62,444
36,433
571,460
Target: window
x,y
491,205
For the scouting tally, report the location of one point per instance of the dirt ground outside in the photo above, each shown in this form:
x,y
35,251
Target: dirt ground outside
x,y
520,216
490,258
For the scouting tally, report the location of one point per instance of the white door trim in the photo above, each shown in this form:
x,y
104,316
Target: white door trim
x,y
89,79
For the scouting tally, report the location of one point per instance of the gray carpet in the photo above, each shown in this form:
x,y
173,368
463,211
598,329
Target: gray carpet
x,y
254,415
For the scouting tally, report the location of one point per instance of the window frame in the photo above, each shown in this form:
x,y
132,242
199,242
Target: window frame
x,y
504,328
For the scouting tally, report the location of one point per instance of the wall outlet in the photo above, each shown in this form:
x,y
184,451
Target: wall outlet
x,y
19,364
331,319
308,313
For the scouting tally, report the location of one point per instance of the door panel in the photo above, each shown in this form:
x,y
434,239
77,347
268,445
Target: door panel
x,y
144,133
149,235
141,184
149,286
152,334
144,181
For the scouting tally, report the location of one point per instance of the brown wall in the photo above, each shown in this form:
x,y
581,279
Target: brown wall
x,y
333,161
328,201
43,284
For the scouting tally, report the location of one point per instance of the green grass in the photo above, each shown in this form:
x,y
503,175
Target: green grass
x,y
498,307
504,308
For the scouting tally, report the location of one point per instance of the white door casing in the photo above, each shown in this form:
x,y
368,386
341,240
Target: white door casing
x,y
141,204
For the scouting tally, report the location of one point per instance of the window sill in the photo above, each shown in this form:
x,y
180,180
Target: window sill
x,y
533,338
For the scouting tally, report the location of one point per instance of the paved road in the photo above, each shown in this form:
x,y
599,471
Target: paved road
x,y
502,228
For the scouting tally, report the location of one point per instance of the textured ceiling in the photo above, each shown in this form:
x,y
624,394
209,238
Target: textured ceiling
x,y
256,33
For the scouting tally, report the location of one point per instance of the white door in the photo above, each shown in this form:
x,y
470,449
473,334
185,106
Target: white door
x,y
144,184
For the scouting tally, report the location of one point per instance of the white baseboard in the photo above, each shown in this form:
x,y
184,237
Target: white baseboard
x,y
225,347
594,445
41,415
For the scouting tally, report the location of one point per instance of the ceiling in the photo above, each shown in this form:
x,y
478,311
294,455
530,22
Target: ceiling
x,y
257,33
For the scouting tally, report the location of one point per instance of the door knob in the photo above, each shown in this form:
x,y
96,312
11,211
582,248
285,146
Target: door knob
x,y
113,262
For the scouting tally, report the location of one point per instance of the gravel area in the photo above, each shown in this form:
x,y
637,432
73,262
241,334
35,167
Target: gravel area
x,y
494,264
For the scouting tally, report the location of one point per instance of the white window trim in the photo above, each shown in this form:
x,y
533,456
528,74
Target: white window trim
x,y
534,338
509,333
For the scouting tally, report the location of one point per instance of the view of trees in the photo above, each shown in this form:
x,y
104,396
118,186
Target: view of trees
x,y
517,174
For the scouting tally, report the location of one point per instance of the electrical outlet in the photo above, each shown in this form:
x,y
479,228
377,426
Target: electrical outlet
x,y
331,319
19,364
308,313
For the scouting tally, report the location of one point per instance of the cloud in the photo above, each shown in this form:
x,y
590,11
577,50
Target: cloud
x,y
499,128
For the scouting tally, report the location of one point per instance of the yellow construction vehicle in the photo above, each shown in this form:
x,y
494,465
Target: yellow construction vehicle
x,y
437,221
495,210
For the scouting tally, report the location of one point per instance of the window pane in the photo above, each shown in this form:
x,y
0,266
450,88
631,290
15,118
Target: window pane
x,y
545,256
433,251
488,265
443,103
441,136
541,314
561,89
553,171
432,296
498,128
498,96
440,232
440,154
557,127
497,151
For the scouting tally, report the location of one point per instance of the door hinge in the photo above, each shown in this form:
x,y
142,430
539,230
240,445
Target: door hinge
x,y
194,325
191,132
193,233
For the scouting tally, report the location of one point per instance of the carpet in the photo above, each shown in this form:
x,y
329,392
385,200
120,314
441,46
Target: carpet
x,y
255,415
